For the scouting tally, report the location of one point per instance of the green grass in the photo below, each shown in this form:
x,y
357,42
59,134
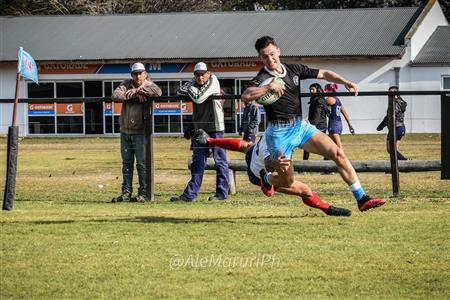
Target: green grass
x,y
65,240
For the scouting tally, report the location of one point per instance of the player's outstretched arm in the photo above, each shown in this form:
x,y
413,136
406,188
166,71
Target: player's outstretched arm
x,y
336,78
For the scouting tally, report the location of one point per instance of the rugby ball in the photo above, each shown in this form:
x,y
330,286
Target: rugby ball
x,y
269,97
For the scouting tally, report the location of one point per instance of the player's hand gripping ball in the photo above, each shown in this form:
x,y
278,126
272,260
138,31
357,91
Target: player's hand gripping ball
x,y
270,97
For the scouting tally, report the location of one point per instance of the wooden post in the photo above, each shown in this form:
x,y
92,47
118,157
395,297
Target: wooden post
x,y
16,99
149,171
232,177
445,135
392,147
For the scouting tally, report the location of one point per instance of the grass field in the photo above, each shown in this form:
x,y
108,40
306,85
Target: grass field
x,y
65,239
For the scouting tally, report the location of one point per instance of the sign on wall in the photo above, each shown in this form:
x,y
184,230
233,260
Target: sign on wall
x,y
41,109
80,68
172,108
70,109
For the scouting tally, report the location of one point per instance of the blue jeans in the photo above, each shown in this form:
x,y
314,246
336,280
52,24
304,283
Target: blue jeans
x,y
131,146
199,156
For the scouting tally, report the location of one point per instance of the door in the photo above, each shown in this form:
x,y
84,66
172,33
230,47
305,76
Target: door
x,y
94,117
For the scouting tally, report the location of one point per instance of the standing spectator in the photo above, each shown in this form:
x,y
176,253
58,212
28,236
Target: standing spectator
x,y
250,122
318,112
207,115
335,121
400,129
133,93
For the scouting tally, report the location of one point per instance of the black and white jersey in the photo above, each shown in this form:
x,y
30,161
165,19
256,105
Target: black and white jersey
x,y
288,106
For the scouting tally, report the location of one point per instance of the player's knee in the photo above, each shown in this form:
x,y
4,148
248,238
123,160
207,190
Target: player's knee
x,y
305,192
338,154
287,181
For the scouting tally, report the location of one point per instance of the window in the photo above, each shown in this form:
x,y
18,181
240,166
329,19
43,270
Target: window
x,y
161,124
93,89
69,124
446,83
41,125
41,90
108,88
173,87
163,85
175,124
69,89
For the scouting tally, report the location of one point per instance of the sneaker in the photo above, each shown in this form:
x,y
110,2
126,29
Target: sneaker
x,y
201,137
138,198
181,198
338,211
368,202
267,189
216,197
125,197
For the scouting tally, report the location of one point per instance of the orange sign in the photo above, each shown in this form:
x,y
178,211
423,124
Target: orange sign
x,y
117,108
231,66
67,68
69,108
41,106
186,107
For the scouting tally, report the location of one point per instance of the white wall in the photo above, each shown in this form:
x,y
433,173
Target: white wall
x,y
434,18
423,112
7,90
371,75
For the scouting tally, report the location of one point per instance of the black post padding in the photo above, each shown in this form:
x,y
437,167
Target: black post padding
x,y
445,135
149,175
393,148
11,167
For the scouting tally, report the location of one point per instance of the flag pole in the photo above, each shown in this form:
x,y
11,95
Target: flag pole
x,y
16,99
12,153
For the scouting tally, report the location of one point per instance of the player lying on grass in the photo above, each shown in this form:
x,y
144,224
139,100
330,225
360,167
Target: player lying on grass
x,y
258,159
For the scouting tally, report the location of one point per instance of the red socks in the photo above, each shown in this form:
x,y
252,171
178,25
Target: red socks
x,y
315,202
228,143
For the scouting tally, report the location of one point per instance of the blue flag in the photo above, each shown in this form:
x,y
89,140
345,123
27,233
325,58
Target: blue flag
x,y
27,66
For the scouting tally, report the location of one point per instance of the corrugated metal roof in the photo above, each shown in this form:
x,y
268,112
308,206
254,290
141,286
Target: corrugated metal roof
x,y
300,33
437,49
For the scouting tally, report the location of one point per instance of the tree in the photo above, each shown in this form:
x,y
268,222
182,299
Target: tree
x,y
97,7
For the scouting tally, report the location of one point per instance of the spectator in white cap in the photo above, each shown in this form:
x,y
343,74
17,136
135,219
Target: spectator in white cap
x,y
133,94
207,115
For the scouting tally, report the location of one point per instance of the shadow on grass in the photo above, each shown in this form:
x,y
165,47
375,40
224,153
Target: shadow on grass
x,y
174,220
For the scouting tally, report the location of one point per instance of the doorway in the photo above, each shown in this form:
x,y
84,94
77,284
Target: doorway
x,y
94,117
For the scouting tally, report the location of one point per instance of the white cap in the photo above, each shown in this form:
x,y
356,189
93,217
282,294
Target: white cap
x,y
137,67
200,68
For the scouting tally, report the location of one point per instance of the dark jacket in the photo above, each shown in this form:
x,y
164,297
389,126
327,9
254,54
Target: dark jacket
x,y
318,112
133,112
400,108
250,119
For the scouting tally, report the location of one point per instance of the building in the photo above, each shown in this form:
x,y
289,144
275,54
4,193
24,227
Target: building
x,y
88,56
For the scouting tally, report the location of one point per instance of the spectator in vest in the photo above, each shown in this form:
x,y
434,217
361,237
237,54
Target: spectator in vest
x,y
207,115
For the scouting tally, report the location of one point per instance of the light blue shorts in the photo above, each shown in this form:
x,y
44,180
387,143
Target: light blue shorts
x,y
283,137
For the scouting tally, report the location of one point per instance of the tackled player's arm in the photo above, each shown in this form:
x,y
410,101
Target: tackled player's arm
x,y
270,164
